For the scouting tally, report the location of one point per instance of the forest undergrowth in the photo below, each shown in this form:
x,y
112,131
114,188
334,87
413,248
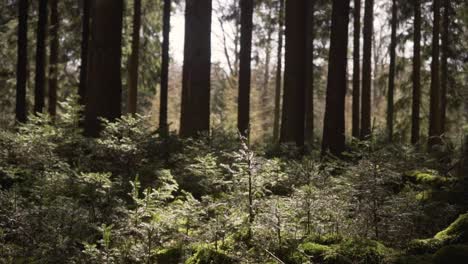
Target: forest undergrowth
x,y
132,196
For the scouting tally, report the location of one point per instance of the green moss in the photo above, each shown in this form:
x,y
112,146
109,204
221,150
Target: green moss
x,y
316,252
170,255
457,232
454,254
210,256
424,246
424,195
355,251
425,177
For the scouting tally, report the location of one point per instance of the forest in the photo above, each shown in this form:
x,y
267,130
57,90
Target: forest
x,y
234,131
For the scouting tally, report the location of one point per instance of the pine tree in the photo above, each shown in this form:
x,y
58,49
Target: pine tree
x,y
243,116
444,65
195,113
22,61
367,69
356,69
292,125
309,98
416,78
134,59
391,74
334,123
104,96
39,89
279,70
85,21
435,107
163,125
53,56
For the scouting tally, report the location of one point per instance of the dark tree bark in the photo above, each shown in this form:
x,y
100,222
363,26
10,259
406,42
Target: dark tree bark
x,y
415,126
195,114
104,96
334,123
309,98
86,15
391,74
54,57
39,89
292,125
134,59
444,65
163,125
367,69
356,69
279,71
435,106
22,61
243,114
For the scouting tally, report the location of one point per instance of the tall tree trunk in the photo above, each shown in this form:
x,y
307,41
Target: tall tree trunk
x,y
54,57
334,123
22,61
435,106
292,125
367,69
266,73
391,74
444,65
415,127
243,116
134,59
39,90
104,96
163,125
86,15
279,69
356,69
309,98
195,114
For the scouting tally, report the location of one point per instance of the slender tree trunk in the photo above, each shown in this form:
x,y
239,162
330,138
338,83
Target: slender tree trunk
x,y
22,61
54,57
163,125
279,70
444,65
134,59
292,125
195,114
266,74
415,127
309,98
334,123
435,106
356,69
391,74
367,70
104,96
39,90
243,116
86,15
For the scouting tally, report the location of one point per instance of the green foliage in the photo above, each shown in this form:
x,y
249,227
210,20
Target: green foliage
x,y
359,251
134,197
457,232
206,255
314,251
424,246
